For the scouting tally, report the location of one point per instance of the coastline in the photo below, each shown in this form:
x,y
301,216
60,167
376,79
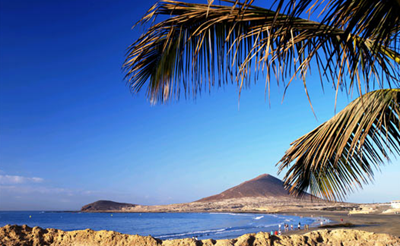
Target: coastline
x,y
365,229
377,223
11,235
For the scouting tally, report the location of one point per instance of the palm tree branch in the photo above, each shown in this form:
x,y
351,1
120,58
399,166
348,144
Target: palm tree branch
x,y
376,20
217,40
339,155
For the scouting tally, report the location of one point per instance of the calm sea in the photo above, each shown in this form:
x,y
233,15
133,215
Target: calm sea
x,y
159,225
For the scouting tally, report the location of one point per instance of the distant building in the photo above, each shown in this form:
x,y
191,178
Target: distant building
x,y
395,204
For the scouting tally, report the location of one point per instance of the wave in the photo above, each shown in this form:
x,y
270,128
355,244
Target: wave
x,y
197,233
200,233
234,214
250,223
235,230
267,225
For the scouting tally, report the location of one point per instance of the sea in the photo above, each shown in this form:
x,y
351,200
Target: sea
x,y
159,225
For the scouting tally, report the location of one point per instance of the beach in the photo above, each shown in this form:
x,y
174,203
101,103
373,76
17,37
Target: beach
x,y
364,229
377,223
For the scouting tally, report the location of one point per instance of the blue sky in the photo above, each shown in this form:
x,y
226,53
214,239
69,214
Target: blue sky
x,y
72,133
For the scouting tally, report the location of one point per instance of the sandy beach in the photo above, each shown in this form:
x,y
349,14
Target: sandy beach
x,y
378,223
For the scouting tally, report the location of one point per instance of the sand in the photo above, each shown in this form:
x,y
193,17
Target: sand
x,y
378,223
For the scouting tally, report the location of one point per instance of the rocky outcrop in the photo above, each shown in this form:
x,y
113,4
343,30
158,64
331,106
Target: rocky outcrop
x,y
24,235
104,205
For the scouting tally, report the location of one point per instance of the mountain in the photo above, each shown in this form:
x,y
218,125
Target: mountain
x,y
104,205
265,185
264,193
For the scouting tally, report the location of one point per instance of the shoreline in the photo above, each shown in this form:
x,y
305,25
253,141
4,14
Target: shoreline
x,y
377,223
373,222
11,235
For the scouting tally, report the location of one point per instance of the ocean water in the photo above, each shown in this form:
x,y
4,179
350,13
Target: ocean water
x,y
159,225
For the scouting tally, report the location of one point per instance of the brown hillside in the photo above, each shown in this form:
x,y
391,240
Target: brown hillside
x,y
263,186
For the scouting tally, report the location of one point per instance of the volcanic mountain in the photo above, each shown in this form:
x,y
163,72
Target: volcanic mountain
x,y
264,185
264,192
104,205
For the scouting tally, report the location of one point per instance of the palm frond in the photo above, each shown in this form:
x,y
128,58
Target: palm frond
x,y
376,20
340,154
201,46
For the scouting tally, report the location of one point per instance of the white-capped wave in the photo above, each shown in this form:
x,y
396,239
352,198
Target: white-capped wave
x,y
230,231
259,217
267,225
173,235
234,214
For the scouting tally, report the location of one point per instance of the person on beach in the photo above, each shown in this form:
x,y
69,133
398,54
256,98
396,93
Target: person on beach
x,y
276,233
279,232
299,226
272,233
291,227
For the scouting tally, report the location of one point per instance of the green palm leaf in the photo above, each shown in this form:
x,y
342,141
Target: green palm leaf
x,y
339,155
201,46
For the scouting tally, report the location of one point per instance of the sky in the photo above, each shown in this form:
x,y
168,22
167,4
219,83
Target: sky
x,y
72,133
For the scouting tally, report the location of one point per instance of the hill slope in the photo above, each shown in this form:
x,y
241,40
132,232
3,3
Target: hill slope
x,y
263,186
